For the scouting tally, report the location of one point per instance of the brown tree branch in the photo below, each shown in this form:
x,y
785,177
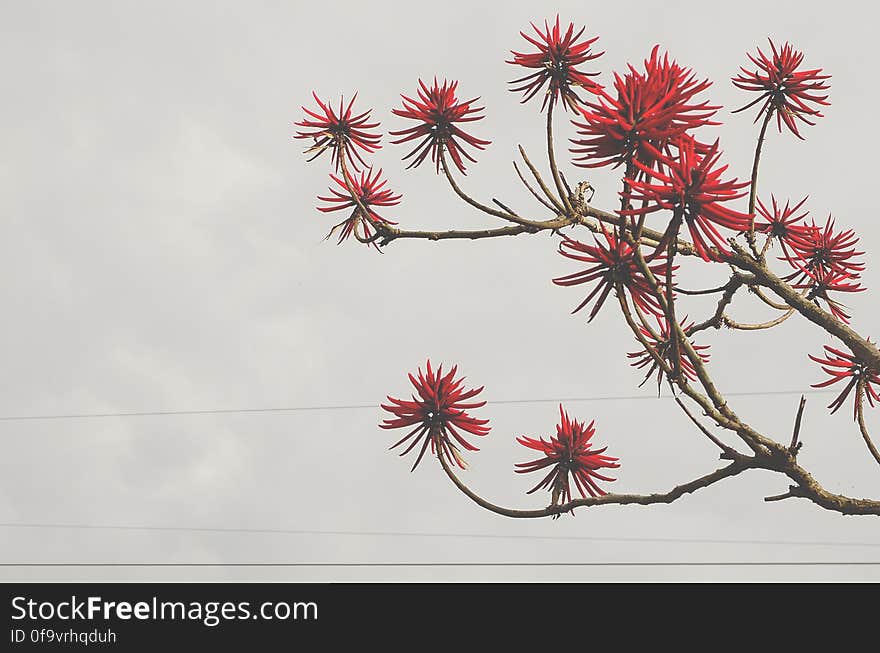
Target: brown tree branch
x,y
739,465
860,416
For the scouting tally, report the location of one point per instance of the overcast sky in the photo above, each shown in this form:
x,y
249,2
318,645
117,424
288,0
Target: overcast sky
x,y
162,252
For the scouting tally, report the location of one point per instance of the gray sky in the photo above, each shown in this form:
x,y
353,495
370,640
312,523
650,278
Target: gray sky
x,y
162,252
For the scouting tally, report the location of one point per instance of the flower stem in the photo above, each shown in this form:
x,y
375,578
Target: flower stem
x,y
551,156
753,190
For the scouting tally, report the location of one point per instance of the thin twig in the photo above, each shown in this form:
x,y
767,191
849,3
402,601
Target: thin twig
x,y
795,445
739,465
728,322
860,415
727,450
551,156
532,190
763,297
504,215
560,208
753,191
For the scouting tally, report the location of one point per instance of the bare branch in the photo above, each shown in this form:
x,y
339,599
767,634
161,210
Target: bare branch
x,y
757,327
554,169
860,416
560,208
729,451
532,190
795,445
739,465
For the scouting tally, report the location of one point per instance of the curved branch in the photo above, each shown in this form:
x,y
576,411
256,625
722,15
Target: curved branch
x,y
757,327
860,416
737,466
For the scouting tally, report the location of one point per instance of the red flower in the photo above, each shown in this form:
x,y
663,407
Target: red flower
x,y
649,109
846,367
663,347
783,88
821,282
568,453
369,190
437,415
438,110
691,187
782,224
611,263
340,132
555,62
820,249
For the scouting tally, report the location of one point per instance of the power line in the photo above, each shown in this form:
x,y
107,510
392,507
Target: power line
x,y
222,411
575,538
640,563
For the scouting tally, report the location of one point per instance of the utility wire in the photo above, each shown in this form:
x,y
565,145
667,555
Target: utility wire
x,y
573,538
222,411
736,563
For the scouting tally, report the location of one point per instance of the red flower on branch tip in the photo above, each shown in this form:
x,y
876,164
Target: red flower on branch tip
x,y
438,110
824,262
822,249
690,186
339,132
821,282
370,192
610,263
857,374
568,454
782,223
663,347
437,415
784,89
650,108
555,63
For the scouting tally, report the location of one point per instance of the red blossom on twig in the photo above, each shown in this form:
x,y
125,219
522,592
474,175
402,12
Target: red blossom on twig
x,y
857,374
437,415
690,186
822,249
783,223
370,193
555,62
783,88
568,453
821,282
438,110
650,108
663,348
339,132
610,263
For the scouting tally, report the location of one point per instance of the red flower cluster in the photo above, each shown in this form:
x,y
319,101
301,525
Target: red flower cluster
x,y
783,88
555,63
568,454
649,109
369,192
784,224
690,186
611,262
846,367
663,348
438,110
823,262
339,132
437,415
